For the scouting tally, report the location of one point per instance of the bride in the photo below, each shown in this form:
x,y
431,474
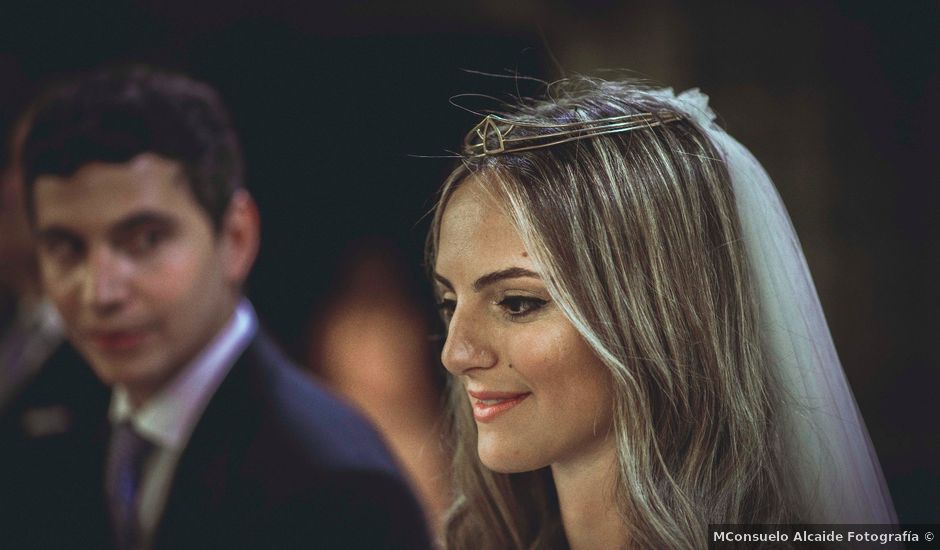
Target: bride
x,y
635,343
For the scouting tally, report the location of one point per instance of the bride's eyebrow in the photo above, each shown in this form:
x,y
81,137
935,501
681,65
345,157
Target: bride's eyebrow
x,y
492,277
502,274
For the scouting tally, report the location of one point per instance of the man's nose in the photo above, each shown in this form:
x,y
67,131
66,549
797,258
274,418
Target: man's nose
x,y
105,285
467,347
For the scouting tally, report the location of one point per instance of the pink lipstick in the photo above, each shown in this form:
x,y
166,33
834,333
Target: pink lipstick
x,y
487,405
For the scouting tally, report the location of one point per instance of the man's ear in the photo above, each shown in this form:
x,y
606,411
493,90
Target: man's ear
x,y
240,236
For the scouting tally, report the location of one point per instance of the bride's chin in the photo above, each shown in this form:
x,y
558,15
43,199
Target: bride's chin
x,y
508,462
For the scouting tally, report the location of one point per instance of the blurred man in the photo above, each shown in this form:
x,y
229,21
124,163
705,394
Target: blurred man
x,y
145,237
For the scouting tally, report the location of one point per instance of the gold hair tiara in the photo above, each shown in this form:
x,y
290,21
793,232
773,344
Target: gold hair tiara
x,y
492,136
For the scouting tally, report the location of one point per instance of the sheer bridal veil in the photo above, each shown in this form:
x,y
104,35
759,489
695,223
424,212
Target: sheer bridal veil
x,y
831,456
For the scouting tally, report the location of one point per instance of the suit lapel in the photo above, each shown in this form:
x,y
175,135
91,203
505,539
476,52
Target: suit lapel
x,y
197,499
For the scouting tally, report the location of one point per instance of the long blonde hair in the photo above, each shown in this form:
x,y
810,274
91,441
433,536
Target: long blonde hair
x,y
637,237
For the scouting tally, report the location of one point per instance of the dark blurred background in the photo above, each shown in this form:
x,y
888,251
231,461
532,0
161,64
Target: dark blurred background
x,y
338,106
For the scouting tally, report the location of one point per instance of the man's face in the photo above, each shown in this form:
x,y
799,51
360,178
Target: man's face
x,y
135,268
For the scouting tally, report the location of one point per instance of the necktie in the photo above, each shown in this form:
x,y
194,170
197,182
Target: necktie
x,y
126,456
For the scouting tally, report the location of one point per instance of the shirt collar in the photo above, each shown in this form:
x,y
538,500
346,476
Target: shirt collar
x,y
168,418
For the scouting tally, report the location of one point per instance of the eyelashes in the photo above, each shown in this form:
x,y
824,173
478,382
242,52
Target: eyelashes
x,y
513,307
518,307
446,308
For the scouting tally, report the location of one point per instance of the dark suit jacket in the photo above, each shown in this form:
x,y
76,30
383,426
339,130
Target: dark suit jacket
x,y
274,462
50,458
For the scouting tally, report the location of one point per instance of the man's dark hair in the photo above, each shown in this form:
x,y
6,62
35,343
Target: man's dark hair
x,y
113,115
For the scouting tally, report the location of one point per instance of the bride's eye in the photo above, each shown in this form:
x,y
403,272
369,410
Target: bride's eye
x,y
446,306
520,306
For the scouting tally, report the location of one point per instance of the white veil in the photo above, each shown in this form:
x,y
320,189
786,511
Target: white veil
x,y
831,455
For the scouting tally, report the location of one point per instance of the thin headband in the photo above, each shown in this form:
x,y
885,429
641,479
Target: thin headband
x,y
493,135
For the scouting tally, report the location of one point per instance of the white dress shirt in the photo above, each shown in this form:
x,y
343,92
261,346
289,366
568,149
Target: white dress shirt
x,y
168,418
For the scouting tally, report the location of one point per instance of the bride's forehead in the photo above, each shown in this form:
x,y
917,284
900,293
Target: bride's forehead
x,y
474,215
476,234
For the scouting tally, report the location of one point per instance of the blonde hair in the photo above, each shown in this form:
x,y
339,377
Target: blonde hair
x,y
637,237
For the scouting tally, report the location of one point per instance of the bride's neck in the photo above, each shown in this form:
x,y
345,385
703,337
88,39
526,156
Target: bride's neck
x,y
586,496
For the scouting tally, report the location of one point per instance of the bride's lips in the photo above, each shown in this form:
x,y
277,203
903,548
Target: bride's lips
x,y
487,405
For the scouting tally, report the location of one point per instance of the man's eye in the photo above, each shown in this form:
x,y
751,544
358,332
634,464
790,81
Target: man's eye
x,y
144,241
63,249
520,306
